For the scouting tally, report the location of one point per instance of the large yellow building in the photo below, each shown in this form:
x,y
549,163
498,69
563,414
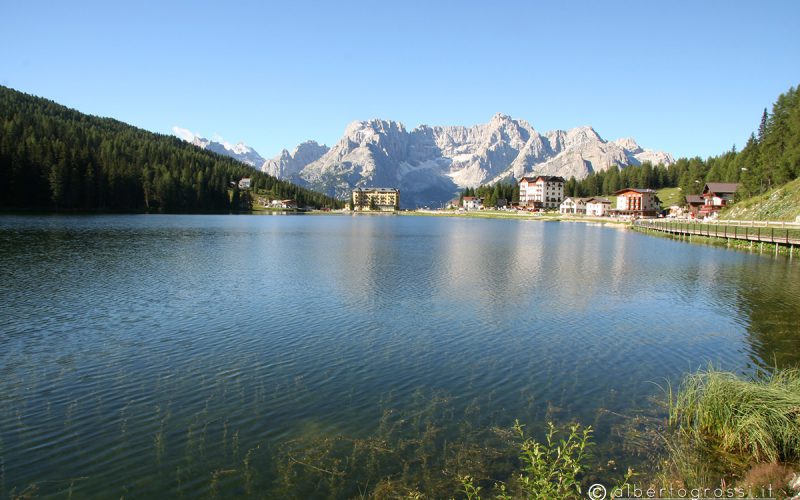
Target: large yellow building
x,y
383,199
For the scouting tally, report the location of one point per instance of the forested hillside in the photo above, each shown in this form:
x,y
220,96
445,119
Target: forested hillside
x,y
53,157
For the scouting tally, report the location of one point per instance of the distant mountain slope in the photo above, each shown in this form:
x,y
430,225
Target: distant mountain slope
x,y
287,164
430,164
53,157
239,151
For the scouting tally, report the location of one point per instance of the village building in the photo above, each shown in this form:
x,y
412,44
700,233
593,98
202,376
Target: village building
x,y
283,204
716,196
383,199
637,202
244,183
694,202
598,207
472,203
573,205
542,192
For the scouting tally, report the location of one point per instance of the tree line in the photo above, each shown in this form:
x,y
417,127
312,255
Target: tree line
x,y
769,159
490,194
56,158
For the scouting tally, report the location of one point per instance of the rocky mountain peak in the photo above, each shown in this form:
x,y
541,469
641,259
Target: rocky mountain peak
x,y
430,164
629,144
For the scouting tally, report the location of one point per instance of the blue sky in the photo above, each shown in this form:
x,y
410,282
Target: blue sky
x,y
691,78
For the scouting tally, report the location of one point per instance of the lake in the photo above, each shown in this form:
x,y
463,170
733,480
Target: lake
x,y
220,356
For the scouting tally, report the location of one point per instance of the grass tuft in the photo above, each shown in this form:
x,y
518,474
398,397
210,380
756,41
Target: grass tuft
x,y
757,419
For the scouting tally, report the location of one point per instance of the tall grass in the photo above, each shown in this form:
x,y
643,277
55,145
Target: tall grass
x,y
756,419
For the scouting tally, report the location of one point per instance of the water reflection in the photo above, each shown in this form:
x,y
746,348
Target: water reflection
x,y
148,353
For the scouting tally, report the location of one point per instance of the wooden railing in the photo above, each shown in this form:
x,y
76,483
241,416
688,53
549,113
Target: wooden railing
x,y
779,233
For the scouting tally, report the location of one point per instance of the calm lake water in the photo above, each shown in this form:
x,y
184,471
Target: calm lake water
x,y
186,356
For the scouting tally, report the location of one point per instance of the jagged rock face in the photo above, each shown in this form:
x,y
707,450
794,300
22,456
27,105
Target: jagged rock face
x,y
288,164
430,164
240,151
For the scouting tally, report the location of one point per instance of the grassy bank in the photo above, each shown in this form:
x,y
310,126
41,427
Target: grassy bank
x,y
779,204
670,196
515,215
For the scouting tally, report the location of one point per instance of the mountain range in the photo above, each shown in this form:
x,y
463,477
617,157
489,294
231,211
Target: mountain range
x,y
431,164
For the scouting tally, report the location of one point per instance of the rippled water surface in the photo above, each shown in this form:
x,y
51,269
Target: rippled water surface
x,y
199,355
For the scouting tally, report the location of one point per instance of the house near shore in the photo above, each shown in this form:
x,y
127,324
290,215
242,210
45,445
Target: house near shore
x,y
573,205
472,203
543,192
594,206
694,202
716,196
244,183
598,207
283,204
636,202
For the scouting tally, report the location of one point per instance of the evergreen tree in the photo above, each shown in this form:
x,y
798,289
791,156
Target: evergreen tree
x,y
52,157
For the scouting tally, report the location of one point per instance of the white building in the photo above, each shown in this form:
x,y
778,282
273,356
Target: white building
x,y
598,207
573,205
637,202
472,203
543,192
244,183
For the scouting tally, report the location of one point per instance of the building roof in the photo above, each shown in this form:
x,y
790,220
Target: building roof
x,y
694,199
550,178
545,178
576,199
721,187
377,189
597,199
636,190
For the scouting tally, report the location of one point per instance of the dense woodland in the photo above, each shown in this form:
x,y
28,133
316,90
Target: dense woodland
x,y
769,159
55,158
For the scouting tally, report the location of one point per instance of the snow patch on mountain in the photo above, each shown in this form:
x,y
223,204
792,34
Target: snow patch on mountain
x,y
239,151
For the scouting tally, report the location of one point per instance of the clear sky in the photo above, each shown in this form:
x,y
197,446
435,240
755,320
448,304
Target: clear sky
x,y
688,77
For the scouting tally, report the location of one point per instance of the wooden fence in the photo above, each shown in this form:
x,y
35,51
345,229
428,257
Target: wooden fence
x,y
778,233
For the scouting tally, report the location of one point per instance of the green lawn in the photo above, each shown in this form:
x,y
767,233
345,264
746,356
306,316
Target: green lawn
x,y
671,196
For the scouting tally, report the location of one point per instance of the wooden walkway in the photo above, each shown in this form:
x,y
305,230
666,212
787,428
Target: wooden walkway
x,y
784,234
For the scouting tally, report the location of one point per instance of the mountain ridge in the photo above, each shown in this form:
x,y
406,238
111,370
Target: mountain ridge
x,y
429,164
